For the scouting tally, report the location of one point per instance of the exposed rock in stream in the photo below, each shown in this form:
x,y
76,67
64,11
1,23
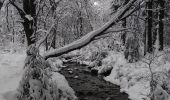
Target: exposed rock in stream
x,y
90,87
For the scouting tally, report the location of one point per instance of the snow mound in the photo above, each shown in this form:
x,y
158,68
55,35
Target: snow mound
x,y
160,94
11,72
134,78
62,84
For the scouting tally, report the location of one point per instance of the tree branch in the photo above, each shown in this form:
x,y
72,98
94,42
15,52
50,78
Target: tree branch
x,y
91,35
133,10
21,11
105,34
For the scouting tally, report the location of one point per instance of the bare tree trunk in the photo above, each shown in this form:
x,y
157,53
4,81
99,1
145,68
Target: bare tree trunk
x,y
13,33
54,39
149,44
29,7
46,44
145,40
161,24
124,25
124,32
46,39
1,3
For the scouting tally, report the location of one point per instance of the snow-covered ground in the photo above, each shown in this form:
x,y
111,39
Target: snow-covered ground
x,y
134,78
11,69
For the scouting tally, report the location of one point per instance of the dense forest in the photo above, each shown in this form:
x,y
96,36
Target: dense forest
x,y
70,49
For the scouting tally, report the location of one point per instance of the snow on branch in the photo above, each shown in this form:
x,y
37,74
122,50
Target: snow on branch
x,y
91,35
29,17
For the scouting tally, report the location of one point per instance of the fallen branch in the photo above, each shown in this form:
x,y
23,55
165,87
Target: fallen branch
x,y
90,36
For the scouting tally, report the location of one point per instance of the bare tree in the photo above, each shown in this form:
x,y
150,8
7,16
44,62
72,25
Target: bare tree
x,y
29,7
28,14
148,27
154,21
160,23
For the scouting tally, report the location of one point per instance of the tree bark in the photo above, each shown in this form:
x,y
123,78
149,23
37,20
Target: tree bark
x,y
30,25
149,41
1,4
124,32
13,33
145,39
54,40
90,36
161,24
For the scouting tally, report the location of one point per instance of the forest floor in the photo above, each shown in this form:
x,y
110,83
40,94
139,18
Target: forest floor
x,y
90,87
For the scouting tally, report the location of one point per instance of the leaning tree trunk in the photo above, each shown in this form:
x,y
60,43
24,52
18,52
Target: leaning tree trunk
x,y
29,24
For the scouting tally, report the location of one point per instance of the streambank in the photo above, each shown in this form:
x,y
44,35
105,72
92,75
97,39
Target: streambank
x,y
90,87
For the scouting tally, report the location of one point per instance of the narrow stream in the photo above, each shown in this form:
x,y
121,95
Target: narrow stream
x,y
90,87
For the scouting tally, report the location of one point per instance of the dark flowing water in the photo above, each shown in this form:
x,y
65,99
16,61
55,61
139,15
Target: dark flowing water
x,y
90,87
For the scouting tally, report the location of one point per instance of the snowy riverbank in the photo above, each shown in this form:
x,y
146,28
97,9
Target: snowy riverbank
x,y
134,78
11,71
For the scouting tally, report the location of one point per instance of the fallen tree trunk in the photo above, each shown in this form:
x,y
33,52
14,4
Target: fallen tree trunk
x,y
90,36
